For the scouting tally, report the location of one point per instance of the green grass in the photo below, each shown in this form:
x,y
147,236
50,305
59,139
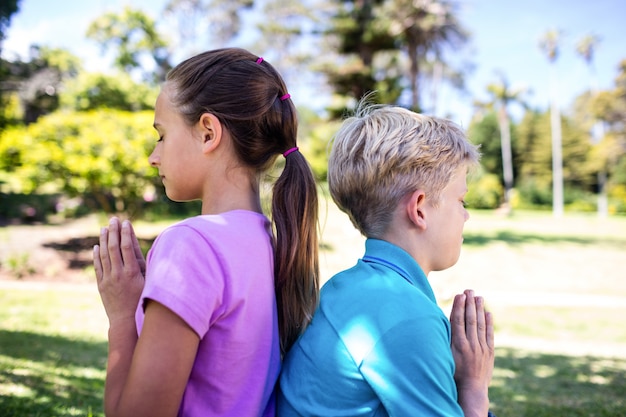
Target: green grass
x,y
557,290
547,385
563,323
555,287
52,352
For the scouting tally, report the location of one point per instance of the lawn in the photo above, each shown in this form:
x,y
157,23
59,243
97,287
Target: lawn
x,y
556,287
52,350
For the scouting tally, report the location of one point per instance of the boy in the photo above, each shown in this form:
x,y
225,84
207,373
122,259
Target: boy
x,y
378,344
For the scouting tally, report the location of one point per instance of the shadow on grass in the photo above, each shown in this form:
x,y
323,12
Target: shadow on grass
x,y
77,251
542,385
514,238
517,238
42,375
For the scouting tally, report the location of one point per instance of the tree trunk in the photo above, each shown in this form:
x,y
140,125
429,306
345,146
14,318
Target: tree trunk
x,y
557,151
414,73
507,158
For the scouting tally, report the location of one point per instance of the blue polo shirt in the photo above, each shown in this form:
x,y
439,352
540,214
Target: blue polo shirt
x,y
378,345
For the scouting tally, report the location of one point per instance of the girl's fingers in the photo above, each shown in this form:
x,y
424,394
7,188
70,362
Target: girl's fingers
x,y
137,250
128,248
115,257
133,236
97,263
103,251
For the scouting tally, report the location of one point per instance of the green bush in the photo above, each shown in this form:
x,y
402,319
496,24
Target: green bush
x,y
532,195
579,200
485,191
317,148
617,199
103,154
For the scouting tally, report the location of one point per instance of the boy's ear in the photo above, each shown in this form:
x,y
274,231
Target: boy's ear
x,y
416,209
211,131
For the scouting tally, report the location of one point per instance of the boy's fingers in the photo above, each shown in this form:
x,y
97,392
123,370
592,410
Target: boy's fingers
x,y
457,321
470,317
481,327
490,331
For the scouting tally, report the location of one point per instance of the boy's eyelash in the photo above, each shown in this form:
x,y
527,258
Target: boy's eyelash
x,y
464,203
160,139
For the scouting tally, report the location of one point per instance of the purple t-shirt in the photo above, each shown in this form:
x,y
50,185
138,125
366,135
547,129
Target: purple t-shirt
x,y
217,273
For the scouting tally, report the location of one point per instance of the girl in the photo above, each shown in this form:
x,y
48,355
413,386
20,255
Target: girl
x,y
195,331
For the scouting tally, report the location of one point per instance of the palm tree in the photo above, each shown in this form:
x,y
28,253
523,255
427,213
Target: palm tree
x,y
502,95
423,26
549,44
586,48
202,22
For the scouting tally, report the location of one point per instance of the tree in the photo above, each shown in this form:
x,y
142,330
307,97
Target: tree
x,y
586,48
7,9
502,95
423,27
610,107
290,36
549,44
92,91
535,173
384,46
357,39
484,131
36,83
134,34
221,19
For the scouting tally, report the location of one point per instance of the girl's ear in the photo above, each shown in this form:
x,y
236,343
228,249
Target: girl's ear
x,y
211,131
415,208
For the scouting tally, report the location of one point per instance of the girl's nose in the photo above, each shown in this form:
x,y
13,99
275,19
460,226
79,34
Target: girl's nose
x,y
154,159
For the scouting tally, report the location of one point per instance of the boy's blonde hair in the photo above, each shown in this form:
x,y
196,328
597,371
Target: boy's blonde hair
x,y
382,153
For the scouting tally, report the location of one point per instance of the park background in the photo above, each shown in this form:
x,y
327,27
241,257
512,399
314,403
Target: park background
x,y
547,236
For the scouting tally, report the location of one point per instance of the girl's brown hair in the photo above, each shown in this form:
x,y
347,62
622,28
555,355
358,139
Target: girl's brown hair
x,y
248,96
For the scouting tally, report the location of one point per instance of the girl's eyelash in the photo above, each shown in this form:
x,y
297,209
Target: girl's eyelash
x,y
464,203
160,139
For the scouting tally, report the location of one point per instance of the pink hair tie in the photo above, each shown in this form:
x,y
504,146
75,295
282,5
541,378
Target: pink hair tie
x,y
285,97
288,151
258,61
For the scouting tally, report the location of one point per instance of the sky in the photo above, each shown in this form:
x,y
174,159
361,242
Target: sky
x,y
504,40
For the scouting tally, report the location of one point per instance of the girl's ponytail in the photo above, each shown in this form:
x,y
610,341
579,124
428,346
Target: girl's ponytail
x,y
295,211
250,99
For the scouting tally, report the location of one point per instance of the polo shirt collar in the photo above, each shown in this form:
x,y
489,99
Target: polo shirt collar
x,y
391,256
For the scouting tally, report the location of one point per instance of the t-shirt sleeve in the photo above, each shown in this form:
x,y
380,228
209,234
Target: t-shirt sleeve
x,y
411,369
184,274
